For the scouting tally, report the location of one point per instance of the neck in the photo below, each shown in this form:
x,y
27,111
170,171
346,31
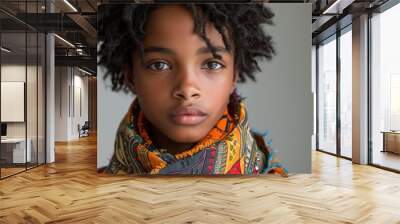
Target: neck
x,y
162,141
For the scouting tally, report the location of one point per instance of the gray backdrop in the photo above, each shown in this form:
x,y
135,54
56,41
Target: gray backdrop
x,y
280,101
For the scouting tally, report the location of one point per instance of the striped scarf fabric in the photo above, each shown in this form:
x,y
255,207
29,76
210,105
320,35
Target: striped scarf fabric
x,y
229,148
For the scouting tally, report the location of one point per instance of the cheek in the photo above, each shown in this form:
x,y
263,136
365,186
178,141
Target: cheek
x,y
151,94
217,97
149,85
220,89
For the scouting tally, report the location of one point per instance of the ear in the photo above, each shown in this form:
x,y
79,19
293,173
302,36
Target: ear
x,y
128,76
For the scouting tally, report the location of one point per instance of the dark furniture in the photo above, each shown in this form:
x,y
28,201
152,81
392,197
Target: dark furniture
x,y
391,141
3,129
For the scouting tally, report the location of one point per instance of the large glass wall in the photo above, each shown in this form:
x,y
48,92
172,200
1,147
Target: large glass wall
x,y
385,88
334,90
327,95
346,92
22,88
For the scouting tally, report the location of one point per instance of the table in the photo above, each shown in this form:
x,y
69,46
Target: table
x,y
391,141
13,150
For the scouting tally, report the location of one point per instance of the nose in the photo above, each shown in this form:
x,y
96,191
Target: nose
x,y
187,85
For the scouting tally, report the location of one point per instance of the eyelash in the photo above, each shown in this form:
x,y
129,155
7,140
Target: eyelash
x,y
222,66
149,66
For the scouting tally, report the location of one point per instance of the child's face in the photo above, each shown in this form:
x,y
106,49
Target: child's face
x,y
180,73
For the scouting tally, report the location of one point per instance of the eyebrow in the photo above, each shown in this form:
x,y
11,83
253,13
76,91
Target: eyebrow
x,y
163,50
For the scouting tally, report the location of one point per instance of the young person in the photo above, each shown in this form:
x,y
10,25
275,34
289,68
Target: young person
x,y
183,61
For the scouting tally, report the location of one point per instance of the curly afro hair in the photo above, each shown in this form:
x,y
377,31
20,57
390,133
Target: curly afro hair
x,y
122,30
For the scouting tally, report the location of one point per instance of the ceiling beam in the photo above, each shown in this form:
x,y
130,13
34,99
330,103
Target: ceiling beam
x,y
337,6
86,26
81,61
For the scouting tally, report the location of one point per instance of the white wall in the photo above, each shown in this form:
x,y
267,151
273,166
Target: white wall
x,y
61,103
80,84
70,83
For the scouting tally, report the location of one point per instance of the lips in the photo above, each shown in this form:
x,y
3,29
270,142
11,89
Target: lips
x,y
188,116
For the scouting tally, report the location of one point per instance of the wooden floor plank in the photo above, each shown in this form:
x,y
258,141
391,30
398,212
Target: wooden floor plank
x,y
71,191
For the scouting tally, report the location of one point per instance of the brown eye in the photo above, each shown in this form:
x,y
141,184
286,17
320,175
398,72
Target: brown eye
x,y
213,65
159,66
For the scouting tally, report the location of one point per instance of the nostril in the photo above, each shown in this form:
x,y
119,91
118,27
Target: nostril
x,y
181,95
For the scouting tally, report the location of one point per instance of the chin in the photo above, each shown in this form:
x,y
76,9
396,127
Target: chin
x,y
184,136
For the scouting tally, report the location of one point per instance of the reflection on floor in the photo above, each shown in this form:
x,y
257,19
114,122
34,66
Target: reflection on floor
x,y
10,169
346,152
387,159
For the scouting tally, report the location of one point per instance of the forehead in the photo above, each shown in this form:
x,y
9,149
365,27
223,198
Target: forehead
x,y
173,25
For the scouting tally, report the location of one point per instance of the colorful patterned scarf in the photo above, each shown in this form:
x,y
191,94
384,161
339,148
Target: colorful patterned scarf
x,y
229,148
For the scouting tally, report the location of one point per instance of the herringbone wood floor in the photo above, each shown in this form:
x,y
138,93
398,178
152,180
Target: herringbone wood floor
x,y
70,191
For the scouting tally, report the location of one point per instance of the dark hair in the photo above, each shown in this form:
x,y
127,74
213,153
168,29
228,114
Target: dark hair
x,y
121,29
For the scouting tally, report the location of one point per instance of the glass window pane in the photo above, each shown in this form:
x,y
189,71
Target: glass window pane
x,y
14,153
41,98
346,94
31,97
386,89
327,96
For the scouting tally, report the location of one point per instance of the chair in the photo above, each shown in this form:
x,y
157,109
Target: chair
x,y
84,130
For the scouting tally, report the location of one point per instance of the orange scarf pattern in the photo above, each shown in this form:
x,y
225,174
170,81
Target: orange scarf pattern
x,y
229,148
